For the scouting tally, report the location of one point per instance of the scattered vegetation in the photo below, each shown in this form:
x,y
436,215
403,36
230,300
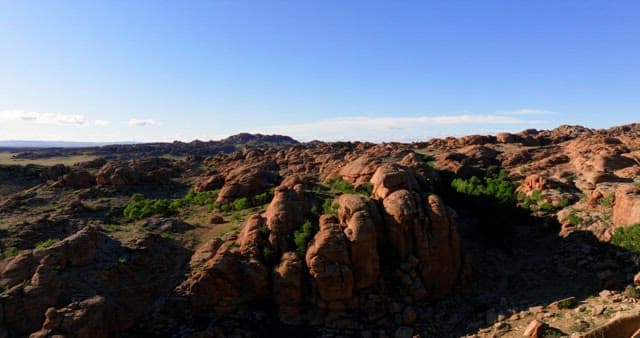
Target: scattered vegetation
x,y
10,252
573,217
489,199
632,292
302,237
339,184
45,244
628,237
568,303
330,208
264,197
241,204
140,207
607,201
495,184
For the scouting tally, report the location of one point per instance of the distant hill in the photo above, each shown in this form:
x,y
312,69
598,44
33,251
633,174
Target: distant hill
x,y
55,144
45,149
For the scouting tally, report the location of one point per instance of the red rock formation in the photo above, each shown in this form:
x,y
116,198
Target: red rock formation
x,y
329,265
626,209
287,287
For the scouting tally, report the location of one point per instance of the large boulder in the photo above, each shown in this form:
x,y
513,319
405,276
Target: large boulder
x,y
284,215
86,319
328,261
389,178
287,287
626,209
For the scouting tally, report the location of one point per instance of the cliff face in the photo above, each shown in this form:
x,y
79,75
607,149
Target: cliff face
x,y
319,239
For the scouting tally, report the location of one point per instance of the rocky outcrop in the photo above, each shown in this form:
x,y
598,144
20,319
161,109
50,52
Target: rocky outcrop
x,y
85,319
77,180
245,181
288,287
285,214
329,265
626,208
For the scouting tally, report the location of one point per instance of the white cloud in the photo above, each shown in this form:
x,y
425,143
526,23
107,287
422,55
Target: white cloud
x,y
44,118
102,123
399,128
528,112
143,122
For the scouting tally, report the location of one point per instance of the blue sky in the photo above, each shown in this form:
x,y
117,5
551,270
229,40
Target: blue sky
x,y
354,70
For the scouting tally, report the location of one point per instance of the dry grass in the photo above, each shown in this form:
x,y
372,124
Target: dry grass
x,y
6,158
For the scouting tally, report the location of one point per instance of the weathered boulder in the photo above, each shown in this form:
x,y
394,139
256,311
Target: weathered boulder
x,y
76,179
626,209
328,261
438,249
360,170
207,183
284,215
361,241
86,319
287,287
389,178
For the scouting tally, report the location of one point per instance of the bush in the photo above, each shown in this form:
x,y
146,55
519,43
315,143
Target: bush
x,y
269,256
264,231
10,252
339,184
45,244
607,202
142,208
574,219
241,204
494,185
302,237
628,237
264,197
330,208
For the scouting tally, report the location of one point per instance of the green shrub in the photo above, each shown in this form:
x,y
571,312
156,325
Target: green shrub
x,y
339,184
302,237
574,219
330,208
10,252
269,256
628,237
632,292
365,189
235,217
264,231
494,185
241,204
264,197
568,303
138,209
45,244
607,202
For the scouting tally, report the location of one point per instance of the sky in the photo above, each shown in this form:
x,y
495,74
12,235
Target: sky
x,y
327,70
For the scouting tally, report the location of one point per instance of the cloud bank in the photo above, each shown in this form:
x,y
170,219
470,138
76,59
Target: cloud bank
x,y
143,122
400,128
43,118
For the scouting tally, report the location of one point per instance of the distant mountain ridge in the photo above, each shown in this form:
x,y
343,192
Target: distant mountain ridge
x,y
44,149
55,144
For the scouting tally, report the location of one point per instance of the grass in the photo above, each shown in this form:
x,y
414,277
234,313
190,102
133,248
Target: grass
x,y
6,158
45,244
